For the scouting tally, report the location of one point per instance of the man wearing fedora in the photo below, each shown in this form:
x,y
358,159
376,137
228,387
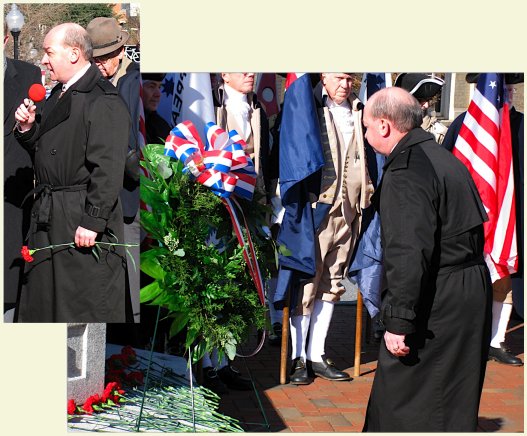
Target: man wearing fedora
x,y
108,41
507,291
79,145
425,88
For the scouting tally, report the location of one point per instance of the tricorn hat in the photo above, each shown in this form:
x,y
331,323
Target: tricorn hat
x,y
510,78
421,86
106,35
158,77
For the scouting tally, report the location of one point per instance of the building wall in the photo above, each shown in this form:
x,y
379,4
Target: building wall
x,y
463,93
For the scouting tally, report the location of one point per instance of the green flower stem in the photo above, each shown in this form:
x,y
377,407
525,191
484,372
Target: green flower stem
x,y
71,244
34,250
116,244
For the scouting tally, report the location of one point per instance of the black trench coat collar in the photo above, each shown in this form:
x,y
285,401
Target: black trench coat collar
x,y
61,108
412,138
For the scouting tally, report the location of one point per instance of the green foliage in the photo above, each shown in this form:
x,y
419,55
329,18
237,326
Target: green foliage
x,y
83,13
207,291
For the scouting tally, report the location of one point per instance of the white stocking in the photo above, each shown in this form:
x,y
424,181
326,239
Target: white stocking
x,y
320,320
501,313
299,328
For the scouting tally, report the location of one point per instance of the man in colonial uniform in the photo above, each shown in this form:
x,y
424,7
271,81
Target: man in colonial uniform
x,y
425,88
237,108
345,189
509,289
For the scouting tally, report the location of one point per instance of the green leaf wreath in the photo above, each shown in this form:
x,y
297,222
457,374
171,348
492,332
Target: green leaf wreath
x,y
206,290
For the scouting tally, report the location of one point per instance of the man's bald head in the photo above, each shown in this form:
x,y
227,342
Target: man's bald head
x,y
398,106
67,50
388,116
73,35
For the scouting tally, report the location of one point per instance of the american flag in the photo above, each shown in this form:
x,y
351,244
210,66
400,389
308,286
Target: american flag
x,y
484,146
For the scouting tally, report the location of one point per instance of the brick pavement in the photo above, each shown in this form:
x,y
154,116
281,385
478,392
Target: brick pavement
x,y
325,406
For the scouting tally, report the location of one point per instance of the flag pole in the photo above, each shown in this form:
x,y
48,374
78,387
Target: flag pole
x,y
358,335
284,349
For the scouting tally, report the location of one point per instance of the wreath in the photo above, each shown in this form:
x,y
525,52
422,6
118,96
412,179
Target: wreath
x,y
199,271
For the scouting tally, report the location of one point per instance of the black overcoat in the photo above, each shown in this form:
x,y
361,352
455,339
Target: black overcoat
x,y
80,147
18,175
437,292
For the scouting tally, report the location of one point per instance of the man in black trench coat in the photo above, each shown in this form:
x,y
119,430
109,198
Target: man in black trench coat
x,y
436,299
80,145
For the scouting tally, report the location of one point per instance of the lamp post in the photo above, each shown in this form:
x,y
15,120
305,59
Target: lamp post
x,y
15,22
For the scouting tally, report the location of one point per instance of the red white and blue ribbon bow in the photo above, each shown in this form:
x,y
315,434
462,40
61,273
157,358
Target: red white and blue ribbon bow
x,y
221,164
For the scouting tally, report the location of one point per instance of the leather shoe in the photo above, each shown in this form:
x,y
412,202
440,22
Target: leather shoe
x,y
504,355
231,377
298,375
212,381
327,370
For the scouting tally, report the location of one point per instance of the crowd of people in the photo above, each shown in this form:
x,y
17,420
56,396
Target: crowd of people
x,y
71,183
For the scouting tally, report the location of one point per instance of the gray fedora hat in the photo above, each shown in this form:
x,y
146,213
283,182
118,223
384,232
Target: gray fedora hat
x,y
106,35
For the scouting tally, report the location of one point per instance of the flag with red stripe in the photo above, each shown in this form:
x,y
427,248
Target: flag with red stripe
x,y
484,146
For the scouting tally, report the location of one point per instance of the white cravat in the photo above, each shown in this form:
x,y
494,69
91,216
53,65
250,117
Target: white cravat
x,y
343,118
236,104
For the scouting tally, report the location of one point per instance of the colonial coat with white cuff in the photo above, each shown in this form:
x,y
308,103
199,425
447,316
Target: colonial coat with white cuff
x,y
324,189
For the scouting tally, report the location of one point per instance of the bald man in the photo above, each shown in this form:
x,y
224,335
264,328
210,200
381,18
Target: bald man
x,y
80,145
436,299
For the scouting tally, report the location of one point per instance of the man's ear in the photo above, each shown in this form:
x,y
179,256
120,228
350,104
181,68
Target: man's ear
x,y
75,55
384,128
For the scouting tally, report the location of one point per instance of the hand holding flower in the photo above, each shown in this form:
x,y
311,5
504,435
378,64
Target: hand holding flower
x,y
85,237
27,253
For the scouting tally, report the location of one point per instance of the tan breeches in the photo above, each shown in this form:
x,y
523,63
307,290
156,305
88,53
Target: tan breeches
x,y
334,247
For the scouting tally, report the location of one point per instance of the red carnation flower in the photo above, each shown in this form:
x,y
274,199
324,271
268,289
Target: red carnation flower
x,y
108,391
26,254
130,355
128,350
118,361
135,378
90,402
115,375
72,407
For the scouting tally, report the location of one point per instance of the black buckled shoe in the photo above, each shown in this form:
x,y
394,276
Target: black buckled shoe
x,y
504,355
212,381
298,375
233,379
327,370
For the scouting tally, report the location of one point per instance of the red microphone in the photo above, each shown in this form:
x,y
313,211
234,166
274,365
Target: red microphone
x,y
36,93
